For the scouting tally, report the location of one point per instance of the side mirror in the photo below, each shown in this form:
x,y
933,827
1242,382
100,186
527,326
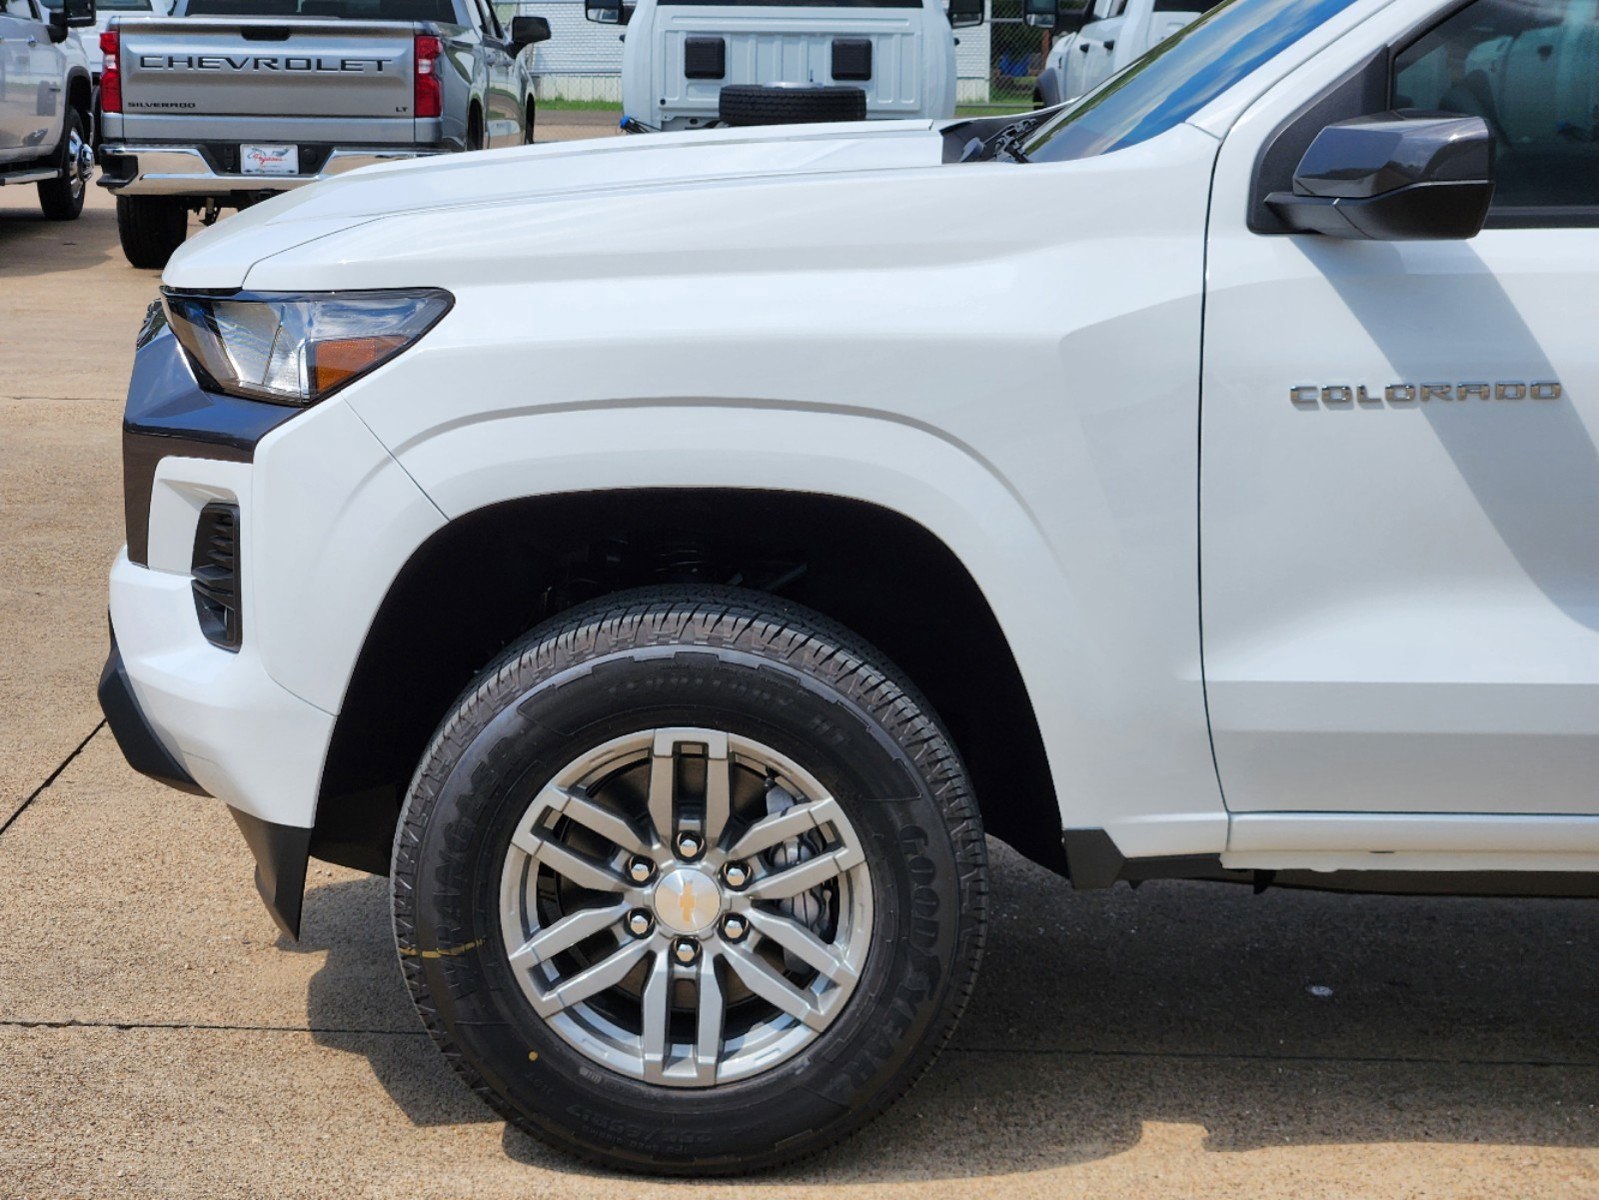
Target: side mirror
x,y
608,12
1396,176
73,14
965,12
1056,15
529,31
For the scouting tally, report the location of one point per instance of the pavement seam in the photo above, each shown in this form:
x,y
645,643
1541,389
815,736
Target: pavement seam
x,y
1194,1055
193,1027
1242,1056
51,778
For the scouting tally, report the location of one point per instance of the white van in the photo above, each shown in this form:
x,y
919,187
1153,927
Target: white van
x,y
689,64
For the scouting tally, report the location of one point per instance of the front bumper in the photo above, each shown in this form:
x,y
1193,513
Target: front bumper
x,y
134,170
214,723
281,851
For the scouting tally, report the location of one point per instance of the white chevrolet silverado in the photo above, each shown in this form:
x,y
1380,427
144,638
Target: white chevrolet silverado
x,y
227,102
668,556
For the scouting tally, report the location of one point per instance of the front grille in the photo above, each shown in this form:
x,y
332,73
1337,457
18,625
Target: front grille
x,y
216,575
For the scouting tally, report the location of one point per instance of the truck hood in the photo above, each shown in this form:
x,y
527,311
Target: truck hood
x,y
447,192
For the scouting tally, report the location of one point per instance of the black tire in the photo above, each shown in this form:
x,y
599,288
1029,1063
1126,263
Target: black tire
x,y
151,228
790,104
61,198
528,125
758,668
474,129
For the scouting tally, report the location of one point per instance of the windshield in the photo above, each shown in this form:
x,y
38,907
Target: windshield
x,y
1178,77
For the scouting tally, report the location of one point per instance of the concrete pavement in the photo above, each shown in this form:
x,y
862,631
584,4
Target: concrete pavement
x,y
157,1038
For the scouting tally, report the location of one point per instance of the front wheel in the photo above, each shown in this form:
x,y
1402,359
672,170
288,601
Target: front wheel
x,y
690,881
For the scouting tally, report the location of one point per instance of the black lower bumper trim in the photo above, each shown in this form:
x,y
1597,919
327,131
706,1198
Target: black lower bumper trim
x,y
135,738
281,853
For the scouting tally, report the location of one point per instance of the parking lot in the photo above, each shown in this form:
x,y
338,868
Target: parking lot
x,y
157,1036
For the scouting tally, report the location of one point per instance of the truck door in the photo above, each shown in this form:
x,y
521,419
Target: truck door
x,y
1400,447
1089,63
30,94
501,124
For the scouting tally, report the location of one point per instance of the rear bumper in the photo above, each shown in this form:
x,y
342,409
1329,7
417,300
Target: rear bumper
x,y
134,170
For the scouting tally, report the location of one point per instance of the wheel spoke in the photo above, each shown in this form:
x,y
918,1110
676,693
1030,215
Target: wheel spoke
x,y
608,972
585,812
663,786
801,943
768,983
657,1010
802,877
584,872
708,1035
718,790
790,823
565,933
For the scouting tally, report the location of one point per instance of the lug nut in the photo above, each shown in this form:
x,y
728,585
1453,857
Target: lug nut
x,y
640,870
736,874
734,927
686,950
688,846
638,922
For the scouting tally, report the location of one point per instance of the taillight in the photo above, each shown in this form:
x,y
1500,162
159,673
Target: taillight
x,y
429,86
111,72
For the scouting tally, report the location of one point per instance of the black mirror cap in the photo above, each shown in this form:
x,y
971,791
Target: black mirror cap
x,y
963,13
1397,176
608,13
1041,14
529,31
73,14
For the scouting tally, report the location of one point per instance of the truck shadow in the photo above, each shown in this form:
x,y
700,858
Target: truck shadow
x,y
1291,1018
30,246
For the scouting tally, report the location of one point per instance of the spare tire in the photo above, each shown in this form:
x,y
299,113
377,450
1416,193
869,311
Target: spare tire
x,y
791,104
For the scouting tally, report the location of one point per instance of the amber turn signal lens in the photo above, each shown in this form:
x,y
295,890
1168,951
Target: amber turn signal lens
x,y
335,362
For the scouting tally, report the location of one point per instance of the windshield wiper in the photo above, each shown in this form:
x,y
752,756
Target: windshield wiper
x,y
1005,142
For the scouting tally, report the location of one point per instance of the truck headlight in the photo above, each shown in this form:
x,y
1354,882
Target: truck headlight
x,y
297,348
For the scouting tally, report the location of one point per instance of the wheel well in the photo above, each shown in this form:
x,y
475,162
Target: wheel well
x,y
80,95
485,579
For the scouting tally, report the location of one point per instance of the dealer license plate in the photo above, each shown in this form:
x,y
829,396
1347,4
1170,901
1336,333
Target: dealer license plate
x,y
269,160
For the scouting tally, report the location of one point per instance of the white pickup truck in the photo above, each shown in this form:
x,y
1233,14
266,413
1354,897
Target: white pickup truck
x,y
1093,43
226,102
666,557
693,64
46,102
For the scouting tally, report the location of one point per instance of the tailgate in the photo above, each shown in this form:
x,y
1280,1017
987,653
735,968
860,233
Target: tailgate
x,y
796,47
202,78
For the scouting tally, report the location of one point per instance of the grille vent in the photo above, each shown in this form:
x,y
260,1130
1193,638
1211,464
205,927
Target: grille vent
x,y
216,575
